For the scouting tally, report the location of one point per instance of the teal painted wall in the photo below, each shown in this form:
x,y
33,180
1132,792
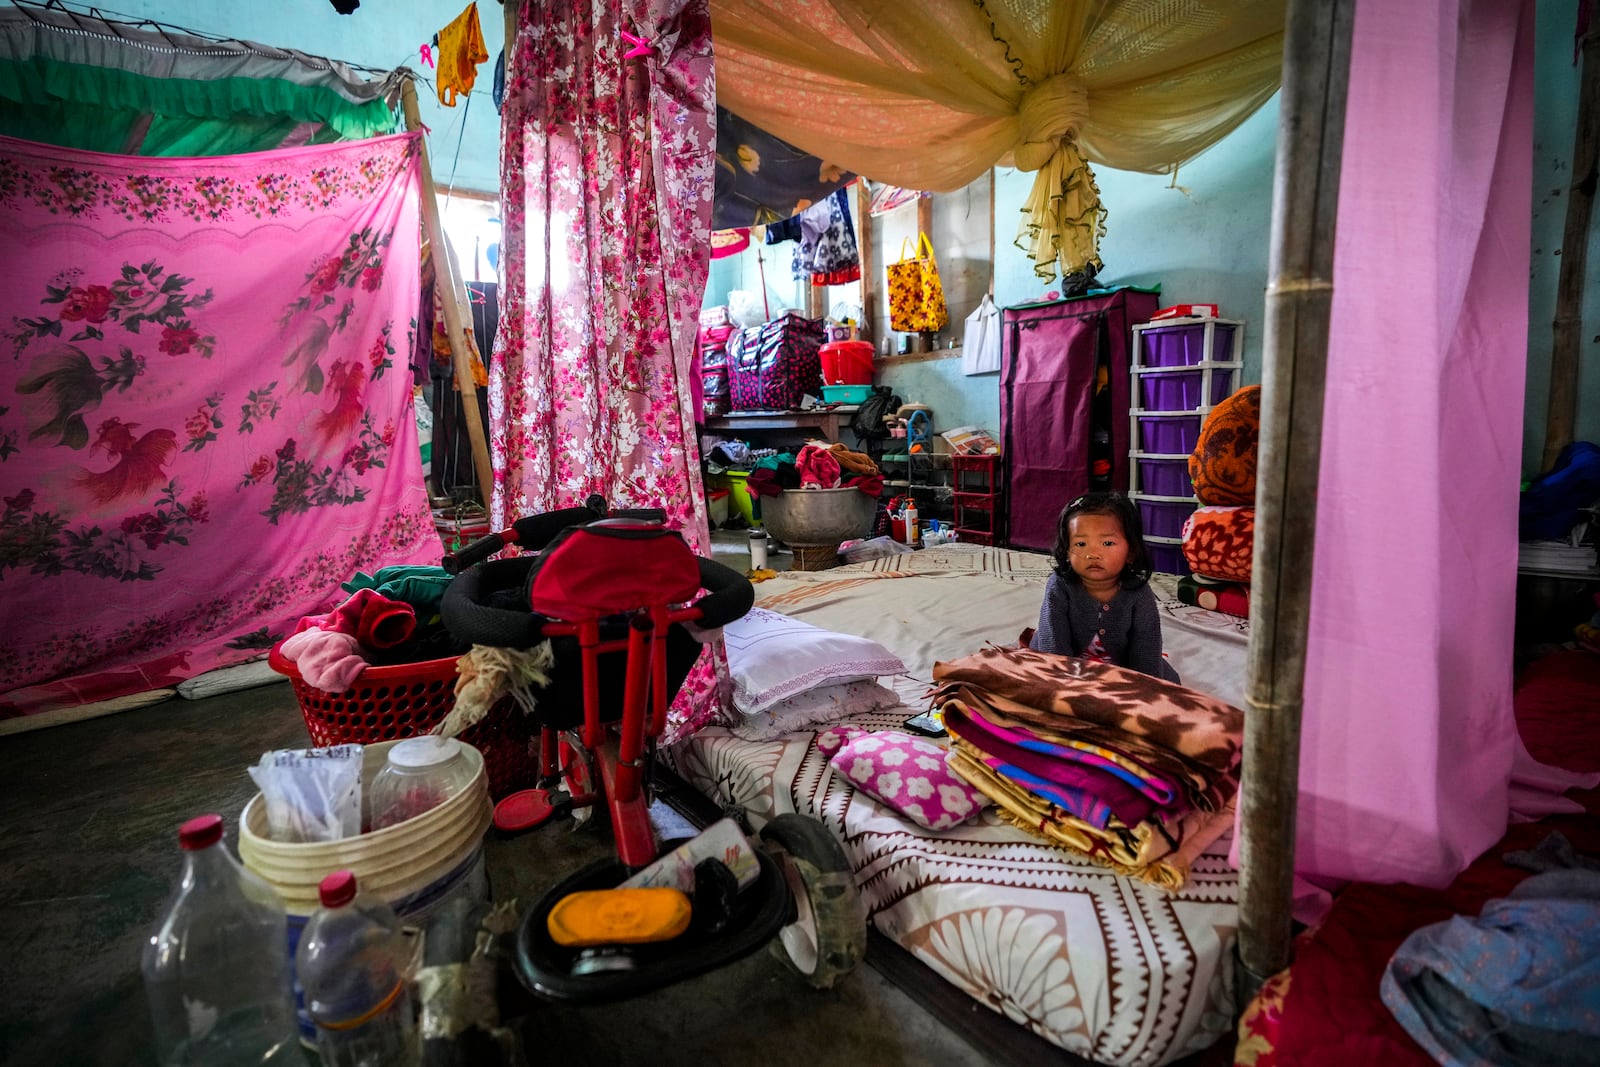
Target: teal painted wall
x,y
1555,124
1204,240
380,33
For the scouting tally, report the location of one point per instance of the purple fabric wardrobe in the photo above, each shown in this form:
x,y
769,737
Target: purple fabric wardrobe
x,y
1047,376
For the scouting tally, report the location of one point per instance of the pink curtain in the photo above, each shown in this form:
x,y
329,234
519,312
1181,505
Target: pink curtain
x,y
607,179
1409,741
207,419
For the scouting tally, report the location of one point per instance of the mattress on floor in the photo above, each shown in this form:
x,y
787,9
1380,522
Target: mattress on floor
x,y
1106,967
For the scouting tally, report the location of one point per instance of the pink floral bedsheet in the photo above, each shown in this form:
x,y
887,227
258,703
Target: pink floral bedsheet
x,y
205,405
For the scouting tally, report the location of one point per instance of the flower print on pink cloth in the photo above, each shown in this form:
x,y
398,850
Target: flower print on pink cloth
x,y
200,442
908,774
607,245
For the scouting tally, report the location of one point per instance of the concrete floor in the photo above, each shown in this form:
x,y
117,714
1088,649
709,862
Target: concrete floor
x,y
90,855
89,840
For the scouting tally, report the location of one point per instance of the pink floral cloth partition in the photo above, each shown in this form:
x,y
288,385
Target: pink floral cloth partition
x,y
1410,754
607,180
205,410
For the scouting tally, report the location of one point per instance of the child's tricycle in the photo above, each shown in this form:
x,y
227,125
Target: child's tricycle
x,y
626,606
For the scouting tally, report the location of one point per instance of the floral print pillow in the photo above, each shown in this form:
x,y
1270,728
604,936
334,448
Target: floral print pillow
x,y
909,775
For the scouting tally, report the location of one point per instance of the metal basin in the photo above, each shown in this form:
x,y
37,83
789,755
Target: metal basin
x,y
818,516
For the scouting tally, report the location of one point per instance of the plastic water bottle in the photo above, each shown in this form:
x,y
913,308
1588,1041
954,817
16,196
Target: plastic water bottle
x,y
216,969
352,967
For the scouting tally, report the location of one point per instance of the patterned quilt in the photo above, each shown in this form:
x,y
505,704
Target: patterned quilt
x,y
1101,965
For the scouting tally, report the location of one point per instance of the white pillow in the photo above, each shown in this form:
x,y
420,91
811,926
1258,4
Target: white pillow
x,y
815,707
773,657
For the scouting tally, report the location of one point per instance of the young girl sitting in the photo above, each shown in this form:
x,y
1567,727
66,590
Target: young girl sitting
x,y
1098,603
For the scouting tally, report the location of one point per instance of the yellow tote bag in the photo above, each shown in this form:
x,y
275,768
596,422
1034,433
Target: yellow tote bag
x,y
916,297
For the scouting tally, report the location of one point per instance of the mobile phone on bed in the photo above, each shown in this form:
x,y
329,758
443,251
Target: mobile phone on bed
x,y
929,724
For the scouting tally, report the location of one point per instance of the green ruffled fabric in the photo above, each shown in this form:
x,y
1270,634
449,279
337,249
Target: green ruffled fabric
x,y
98,109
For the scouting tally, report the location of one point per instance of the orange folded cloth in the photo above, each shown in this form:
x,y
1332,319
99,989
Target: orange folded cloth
x,y
853,462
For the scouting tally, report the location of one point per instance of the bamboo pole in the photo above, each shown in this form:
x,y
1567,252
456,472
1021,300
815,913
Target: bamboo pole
x,y
1316,65
456,319
1561,411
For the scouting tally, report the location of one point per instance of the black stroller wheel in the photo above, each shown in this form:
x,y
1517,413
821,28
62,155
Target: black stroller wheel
x,y
829,934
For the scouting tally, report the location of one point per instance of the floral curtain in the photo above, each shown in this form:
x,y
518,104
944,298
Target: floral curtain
x,y
205,420
607,179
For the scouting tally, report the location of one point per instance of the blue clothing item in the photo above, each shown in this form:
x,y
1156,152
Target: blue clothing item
x,y
1128,626
1552,504
1518,986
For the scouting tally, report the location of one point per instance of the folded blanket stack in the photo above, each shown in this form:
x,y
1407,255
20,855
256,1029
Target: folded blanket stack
x,y
1136,773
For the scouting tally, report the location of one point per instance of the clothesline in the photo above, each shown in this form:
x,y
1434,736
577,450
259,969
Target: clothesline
x,y
72,7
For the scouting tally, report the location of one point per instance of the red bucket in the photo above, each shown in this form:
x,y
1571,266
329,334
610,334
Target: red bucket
x,y
847,363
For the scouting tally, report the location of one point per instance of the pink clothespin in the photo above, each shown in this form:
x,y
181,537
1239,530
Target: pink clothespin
x,y
426,52
641,45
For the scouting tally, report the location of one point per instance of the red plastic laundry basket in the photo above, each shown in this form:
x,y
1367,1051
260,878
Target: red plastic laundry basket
x,y
408,699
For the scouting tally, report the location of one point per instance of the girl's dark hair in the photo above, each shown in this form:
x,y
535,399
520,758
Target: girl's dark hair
x,y
1136,572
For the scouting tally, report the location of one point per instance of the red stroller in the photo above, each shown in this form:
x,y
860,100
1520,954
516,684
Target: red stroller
x,y
615,594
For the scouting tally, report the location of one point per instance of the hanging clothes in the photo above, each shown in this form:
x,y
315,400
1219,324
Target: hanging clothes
x,y
980,345
461,49
443,353
450,462
826,254
760,179
885,198
729,242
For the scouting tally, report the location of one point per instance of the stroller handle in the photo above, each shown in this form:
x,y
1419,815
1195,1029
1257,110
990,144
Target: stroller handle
x,y
533,532
729,594
469,617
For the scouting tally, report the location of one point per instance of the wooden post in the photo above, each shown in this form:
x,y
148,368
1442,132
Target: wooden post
x,y
1316,69
869,268
457,319
1561,410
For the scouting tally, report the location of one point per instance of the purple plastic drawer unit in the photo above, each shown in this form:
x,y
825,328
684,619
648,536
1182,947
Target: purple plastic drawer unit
x,y
1165,477
1179,346
1180,390
1166,559
1164,518
1172,435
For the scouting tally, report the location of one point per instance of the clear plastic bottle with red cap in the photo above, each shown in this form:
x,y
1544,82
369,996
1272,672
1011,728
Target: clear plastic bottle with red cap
x,y
216,968
352,964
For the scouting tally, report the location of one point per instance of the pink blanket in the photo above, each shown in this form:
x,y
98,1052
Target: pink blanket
x,y
205,410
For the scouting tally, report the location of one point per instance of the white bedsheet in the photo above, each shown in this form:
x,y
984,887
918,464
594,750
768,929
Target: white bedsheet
x,y
1107,967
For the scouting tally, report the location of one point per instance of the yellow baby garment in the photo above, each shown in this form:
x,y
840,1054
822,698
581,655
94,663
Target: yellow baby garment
x,y
461,49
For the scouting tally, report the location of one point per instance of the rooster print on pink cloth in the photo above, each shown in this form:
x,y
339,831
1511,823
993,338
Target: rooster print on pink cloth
x,y
140,461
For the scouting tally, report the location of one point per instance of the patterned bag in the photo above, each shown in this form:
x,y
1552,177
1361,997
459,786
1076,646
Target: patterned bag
x,y
916,296
714,390
771,366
